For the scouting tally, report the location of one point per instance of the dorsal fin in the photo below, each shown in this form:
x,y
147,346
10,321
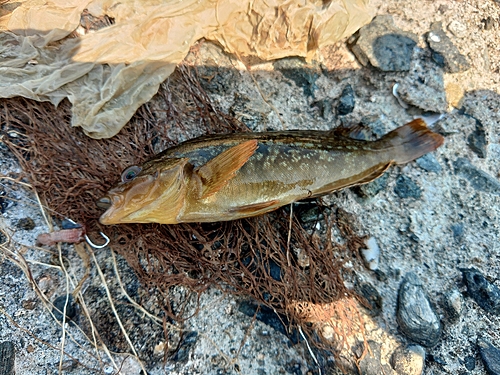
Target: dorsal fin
x,y
358,132
217,172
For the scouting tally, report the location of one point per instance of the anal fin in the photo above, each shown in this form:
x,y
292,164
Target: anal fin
x,y
256,208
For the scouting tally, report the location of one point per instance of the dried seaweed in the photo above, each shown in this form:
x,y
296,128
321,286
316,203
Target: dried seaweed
x,y
251,257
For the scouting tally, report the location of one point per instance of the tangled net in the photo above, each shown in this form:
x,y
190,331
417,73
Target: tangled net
x,y
277,259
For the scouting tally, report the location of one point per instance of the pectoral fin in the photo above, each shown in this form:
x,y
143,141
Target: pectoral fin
x,y
217,172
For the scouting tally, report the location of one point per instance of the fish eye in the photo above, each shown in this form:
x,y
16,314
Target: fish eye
x,y
130,173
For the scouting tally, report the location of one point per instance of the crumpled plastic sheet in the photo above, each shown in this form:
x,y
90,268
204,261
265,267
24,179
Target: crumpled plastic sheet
x,y
108,74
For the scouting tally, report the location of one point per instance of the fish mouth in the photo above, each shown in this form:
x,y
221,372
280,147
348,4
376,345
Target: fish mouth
x,y
104,202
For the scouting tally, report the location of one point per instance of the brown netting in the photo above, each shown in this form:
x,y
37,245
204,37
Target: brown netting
x,y
291,265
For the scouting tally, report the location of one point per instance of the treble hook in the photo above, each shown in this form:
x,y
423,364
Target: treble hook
x,y
98,246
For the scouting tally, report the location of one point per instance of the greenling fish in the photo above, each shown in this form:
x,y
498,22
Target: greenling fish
x,y
232,176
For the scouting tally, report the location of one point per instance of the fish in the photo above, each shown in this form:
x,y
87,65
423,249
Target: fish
x,y
233,176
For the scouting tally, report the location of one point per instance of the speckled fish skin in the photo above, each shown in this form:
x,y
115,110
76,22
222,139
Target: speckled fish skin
x,y
232,176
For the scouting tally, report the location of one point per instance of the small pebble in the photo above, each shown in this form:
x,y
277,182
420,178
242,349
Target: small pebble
x,y
490,355
407,188
486,294
26,223
371,254
59,307
415,315
409,360
458,29
453,305
454,94
346,101
478,179
7,358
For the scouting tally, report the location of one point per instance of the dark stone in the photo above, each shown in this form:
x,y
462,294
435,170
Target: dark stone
x,y
429,163
477,141
478,179
3,202
267,316
58,309
470,362
26,223
444,52
7,358
486,294
371,296
490,356
415,314
371,189
407,188
346,101
383,45
186,344
458,230
304,75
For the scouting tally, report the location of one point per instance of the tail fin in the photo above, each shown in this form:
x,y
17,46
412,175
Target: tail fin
x,y
410,141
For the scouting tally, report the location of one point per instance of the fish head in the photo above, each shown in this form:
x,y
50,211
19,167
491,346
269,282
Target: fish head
x,y
153,192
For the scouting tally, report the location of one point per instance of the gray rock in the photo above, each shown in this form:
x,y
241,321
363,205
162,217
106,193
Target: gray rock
x,y
423,87
453,305
490,356
429,163
407,188
346,101
409,360
444,52
486,294
478,179
7,358
477,140
415,315
383,45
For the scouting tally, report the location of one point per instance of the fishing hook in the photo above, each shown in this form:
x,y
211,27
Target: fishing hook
x,y
98,246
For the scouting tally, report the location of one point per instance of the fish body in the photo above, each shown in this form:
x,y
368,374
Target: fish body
x,y
233,176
